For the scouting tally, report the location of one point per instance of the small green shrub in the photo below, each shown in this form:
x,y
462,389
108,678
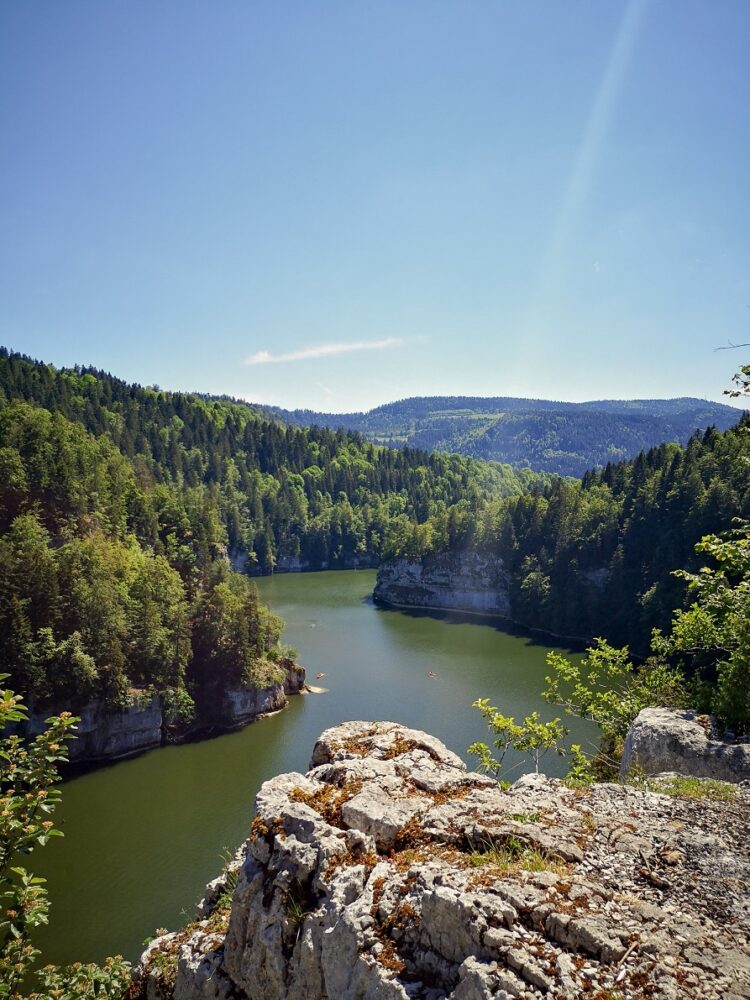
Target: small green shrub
x,y
264,673
296,904
178,708
525,817
532,737
606,688
84,982
580,773
28,798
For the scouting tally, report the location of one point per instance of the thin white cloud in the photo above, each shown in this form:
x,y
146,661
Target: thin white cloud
x,y
323,351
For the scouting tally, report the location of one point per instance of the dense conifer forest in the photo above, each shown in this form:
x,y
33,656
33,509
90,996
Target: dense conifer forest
x,y
562,438
123,511
278,492
596,557
109,584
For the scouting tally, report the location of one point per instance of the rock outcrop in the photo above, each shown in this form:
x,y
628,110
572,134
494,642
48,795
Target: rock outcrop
x,y
243,704
467,581
105,734
294,679
662,739
389,871
296,564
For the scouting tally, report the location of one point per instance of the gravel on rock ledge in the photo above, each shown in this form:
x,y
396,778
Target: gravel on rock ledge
x,y
390,871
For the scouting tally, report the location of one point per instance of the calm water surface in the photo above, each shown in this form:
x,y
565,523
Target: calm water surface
x,y
142,837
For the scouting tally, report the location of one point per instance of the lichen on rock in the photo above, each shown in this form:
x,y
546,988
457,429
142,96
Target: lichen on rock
x,y
390,871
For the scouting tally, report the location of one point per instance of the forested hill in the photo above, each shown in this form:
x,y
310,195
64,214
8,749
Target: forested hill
x,y
596,557
271,494
563,438
123,511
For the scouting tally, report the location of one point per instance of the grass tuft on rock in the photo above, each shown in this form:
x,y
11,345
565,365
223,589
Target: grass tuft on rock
x,y
514,856
685,787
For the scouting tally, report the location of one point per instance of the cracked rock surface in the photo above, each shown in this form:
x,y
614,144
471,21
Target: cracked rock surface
x,y
390,871
662,739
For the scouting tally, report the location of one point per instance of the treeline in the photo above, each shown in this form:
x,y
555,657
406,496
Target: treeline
x,y
123,511
552,437
596,557
277,493
107,588
566,442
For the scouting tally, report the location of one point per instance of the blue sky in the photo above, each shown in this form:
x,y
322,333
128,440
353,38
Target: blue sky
x,y
336,204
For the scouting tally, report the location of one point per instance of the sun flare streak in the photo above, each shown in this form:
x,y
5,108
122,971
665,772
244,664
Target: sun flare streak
x,y
552,270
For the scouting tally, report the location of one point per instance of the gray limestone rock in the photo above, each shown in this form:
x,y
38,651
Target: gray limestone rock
x,y
200,972
105,734
662,739
243,704
538,891
468,581
102,734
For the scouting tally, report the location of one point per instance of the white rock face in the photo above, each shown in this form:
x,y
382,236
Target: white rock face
x,y
662,739
105,735
200,975
295,564
291,564
243,704
371,877
465,582
294,681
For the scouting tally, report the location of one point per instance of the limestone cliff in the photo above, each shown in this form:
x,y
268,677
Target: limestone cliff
x,y
388,871
465,581
242,704
295,564
105,734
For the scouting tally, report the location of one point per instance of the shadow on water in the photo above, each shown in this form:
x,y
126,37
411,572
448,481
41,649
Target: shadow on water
x,y
453,616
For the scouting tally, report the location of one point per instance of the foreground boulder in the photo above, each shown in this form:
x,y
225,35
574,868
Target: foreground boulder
x,y
662,739
389,871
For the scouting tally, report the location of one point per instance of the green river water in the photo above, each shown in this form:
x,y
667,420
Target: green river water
x,y
142,837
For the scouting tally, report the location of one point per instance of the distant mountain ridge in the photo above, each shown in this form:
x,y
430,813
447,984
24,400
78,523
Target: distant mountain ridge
x,y
545,435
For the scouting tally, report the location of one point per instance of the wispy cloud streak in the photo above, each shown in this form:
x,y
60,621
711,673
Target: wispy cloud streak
x,y
323,351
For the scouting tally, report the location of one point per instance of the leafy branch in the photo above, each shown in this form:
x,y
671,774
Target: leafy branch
x,y
28,798
532,737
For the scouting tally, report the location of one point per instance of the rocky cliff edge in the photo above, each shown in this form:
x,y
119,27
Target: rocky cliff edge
x,y
389,871
466,581
105,734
